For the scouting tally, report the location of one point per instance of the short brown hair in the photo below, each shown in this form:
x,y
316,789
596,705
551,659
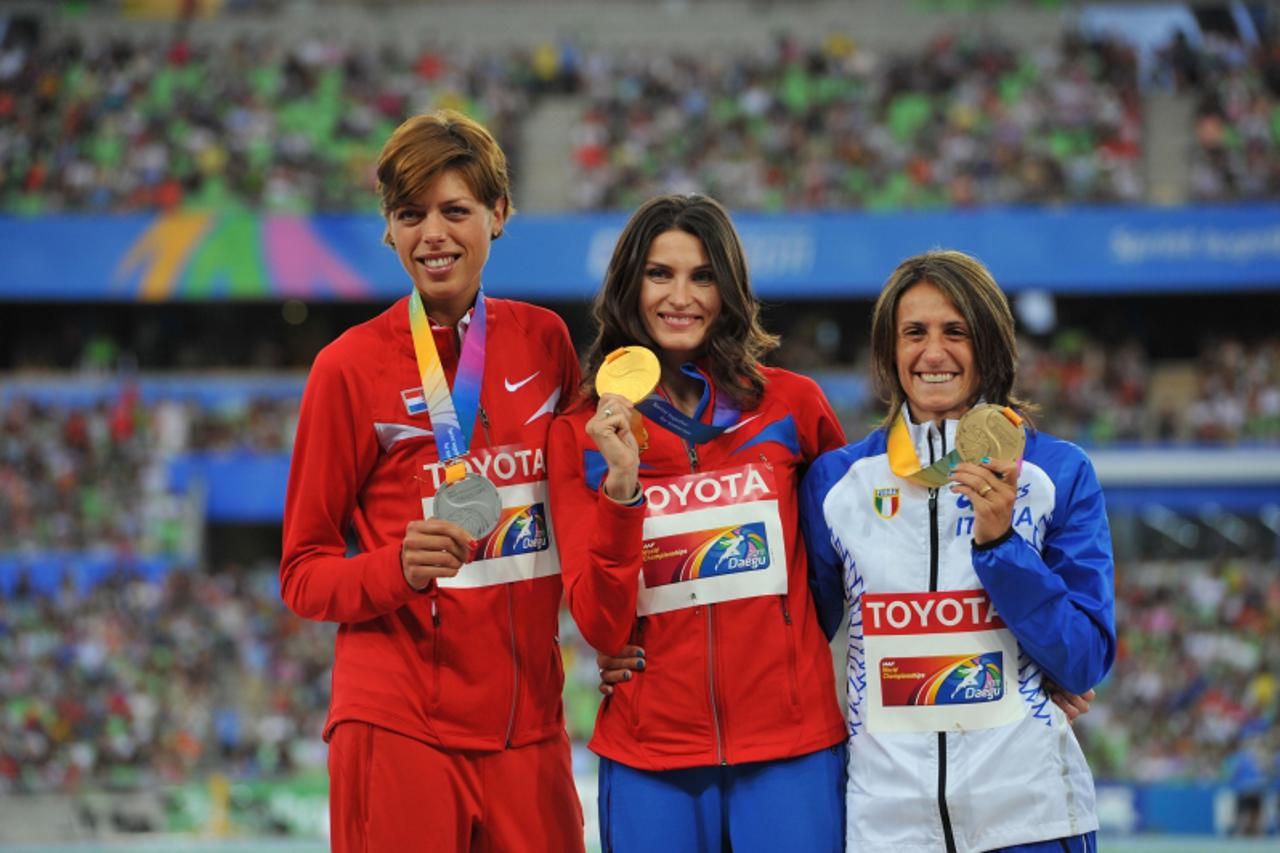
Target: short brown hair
x,y
734,344
423,147
974,292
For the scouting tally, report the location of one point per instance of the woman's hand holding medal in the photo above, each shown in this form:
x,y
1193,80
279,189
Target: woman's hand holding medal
x,y
611,430
627,376
434,548
991,440
992,487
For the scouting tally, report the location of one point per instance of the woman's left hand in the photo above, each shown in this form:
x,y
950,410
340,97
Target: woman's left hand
x,y
992,487
1072,704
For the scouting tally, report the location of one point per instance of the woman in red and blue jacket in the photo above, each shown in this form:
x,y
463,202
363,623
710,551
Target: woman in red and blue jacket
x,y
680,536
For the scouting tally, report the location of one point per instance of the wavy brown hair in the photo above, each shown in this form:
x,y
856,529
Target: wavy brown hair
x,y
974,292
736,341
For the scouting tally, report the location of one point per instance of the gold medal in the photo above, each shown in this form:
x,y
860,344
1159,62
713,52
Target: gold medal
x,y
990,430
631,372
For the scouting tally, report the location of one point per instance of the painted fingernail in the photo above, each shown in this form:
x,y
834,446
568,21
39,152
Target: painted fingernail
x,y
639,653
640,664
626,676
986,459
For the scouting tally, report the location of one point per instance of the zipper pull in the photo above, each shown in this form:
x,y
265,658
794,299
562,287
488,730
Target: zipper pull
x,y
786,611
692,451
435,614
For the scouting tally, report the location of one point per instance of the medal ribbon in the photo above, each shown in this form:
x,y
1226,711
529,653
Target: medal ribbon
x,y
905,462
453,414
692,429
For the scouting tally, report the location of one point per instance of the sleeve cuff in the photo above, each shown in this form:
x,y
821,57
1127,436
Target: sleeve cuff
x,y
995,543
634,500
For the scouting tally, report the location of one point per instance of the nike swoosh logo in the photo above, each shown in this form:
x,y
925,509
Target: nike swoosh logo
x,y
546,408
516,386
741,424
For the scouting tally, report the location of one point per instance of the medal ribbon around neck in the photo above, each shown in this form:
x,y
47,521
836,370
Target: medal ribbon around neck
x,y
453,413
633,372
905,462
664,413
984,430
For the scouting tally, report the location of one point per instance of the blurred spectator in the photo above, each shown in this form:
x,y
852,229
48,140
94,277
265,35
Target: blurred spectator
x,y
1195,679
963,122
142,683
136,125
1236,152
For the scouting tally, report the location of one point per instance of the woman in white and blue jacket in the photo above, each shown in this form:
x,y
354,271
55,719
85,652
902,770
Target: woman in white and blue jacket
x,y
964,599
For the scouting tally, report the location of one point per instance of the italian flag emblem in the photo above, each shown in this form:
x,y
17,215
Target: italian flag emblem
x,y
886,503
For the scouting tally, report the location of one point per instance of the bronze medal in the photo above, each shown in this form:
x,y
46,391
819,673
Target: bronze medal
x,y
990,430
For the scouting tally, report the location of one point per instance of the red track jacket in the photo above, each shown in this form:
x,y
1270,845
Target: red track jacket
x,y
472,665
741,680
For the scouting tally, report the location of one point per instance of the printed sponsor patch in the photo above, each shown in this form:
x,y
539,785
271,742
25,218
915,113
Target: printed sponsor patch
x,y
942,679
705,553
520,530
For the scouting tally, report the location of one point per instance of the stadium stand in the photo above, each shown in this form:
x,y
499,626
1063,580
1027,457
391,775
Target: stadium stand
x,y
151,680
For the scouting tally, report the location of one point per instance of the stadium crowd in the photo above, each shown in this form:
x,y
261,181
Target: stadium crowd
x,y
1197,641
962,122
143,681
119,125
139,682
1237,115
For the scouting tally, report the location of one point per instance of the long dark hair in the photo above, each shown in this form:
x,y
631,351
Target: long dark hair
x,y
736,341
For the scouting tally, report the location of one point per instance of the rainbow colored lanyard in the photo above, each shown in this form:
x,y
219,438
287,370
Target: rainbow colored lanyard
x,y
453,415
905,462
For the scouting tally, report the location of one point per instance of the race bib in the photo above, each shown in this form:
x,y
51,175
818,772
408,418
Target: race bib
x,y
711,537
938,661
522,545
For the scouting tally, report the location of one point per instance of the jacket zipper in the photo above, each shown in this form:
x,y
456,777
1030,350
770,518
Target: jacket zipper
x,y
515,664
792,676
945,813
511,612
692,451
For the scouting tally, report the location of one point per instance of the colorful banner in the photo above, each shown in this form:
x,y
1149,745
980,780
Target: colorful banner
x,y
201,255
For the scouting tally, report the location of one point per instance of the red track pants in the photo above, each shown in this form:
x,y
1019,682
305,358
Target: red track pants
x,y
388,792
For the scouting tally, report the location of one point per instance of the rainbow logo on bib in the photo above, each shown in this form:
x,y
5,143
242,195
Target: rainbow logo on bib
x,y
942,679
705,553
520,530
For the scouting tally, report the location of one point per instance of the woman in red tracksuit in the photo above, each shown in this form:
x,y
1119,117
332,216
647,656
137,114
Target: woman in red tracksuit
x,y
447,673
683,539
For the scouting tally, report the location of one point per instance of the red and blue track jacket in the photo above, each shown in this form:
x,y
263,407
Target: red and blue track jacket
x,y
709,575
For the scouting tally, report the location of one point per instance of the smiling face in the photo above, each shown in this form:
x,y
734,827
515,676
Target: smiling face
x,y
679,297
934,355
442,239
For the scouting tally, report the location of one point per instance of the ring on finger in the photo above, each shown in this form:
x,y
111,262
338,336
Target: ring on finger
x,y
982,493
607,412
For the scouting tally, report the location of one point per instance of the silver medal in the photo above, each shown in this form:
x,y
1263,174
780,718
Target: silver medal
x,y
472,503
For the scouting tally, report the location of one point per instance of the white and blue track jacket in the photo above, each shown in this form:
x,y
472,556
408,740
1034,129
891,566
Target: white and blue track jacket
x,y
916,784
